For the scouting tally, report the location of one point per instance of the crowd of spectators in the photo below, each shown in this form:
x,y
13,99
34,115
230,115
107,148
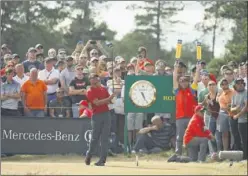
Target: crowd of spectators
x,y
55,85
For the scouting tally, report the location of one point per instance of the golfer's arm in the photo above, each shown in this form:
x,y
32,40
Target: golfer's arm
x,y
103,101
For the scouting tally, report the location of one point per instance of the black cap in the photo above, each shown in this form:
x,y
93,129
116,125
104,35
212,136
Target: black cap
x,y
69,58
32,49
181,64
239,80
203,62
39,46
15,56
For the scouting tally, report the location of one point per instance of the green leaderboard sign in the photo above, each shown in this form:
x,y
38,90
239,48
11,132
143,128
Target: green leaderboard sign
x,y
149,94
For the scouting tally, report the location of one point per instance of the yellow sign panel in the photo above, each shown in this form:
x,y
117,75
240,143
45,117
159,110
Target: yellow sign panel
x,y
179,49
198,51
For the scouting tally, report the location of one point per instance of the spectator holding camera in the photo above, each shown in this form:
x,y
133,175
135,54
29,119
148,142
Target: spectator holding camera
x,y
196,136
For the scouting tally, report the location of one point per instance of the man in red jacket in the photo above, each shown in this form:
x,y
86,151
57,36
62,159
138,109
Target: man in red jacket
x,y
196,137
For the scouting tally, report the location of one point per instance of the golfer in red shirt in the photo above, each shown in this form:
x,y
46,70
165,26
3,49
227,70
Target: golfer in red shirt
x,y
196,136
99,98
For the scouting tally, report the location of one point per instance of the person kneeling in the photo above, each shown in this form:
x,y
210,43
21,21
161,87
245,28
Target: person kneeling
x,y
154,138
196,137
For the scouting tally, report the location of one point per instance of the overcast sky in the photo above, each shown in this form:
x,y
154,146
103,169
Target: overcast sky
x,y
121,20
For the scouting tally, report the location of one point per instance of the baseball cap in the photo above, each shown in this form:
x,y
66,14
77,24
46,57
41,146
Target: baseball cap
x,y
84,103
102,57
61,50
7,56
232,63
130,65
134,59
199,108
147,63
15,56
239,80
39,46
4,46
93,59
110,65
203,62
69,58
121,59
31,49
160,63
204,72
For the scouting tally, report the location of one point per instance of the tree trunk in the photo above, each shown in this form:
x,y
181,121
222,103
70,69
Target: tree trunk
x,y
214,28
158,30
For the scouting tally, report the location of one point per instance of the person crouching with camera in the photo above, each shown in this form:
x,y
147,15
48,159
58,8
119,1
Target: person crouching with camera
x,y
196,136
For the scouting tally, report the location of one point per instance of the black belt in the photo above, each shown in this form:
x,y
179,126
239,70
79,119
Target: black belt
x,y
51,93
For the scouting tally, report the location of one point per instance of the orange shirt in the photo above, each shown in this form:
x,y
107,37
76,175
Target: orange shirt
x,y
225,98
141,63
34,94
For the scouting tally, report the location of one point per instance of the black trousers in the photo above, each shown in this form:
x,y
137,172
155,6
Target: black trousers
x,y
236,143
10,112
242,127
101,124
144,142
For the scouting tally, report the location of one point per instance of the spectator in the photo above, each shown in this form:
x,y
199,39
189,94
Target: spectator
x,y
94,53
99,98
122,64
84,110
31,61
204,79
160,68
10,65
133,61
196,136
61,54
82,60
7,58
130,69
156,137
142,58
212,109
39,48
94,61
147,70
61,65
15,58
52,53
34,96
224,98
168,70
103,58
10,94
239,108
67,75
239,115
243,72
77,90
203,65
20,76
185,104
59,107
50,76
229,76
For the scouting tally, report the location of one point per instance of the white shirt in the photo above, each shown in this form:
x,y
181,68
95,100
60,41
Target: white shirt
x,y
22,80
200,87
46,75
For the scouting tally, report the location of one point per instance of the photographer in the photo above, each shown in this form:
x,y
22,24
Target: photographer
x,y
92,44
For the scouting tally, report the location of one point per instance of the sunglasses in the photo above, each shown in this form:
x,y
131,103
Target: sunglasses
x,y
10,65
223,84
83,57
228,73
79,69
60,92
239,83
94,53
212,85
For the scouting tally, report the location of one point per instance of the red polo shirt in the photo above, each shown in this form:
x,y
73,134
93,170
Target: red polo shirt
x,y
141,64
98,93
